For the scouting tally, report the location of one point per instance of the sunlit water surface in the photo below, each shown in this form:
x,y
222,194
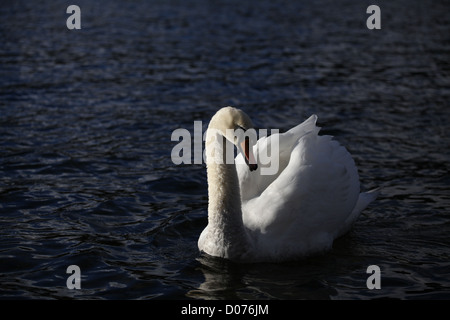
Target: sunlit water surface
x,y
86,118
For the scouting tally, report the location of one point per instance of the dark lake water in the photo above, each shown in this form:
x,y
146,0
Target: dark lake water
x,y
86,118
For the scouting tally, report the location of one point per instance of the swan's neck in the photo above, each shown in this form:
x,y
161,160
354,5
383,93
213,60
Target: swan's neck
x,y
224,206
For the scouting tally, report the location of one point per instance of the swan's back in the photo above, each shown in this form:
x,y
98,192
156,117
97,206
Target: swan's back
x,y
309,202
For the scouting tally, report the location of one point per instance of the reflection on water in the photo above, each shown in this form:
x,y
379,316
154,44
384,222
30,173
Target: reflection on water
x,y
225,280
86,119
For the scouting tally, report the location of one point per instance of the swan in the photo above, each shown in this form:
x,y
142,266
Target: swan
x,y
312,199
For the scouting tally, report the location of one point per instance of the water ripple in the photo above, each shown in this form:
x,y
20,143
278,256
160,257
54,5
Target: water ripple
x,y
86,175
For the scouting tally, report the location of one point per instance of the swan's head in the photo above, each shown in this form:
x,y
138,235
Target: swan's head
x,y
235,125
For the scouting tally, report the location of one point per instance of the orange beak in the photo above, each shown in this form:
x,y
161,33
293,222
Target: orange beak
x,y
248,153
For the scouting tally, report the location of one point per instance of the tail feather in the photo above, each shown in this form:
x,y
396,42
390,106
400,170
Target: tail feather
x,y
365,198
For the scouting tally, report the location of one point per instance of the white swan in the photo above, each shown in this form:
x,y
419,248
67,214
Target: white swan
x,y
312,199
